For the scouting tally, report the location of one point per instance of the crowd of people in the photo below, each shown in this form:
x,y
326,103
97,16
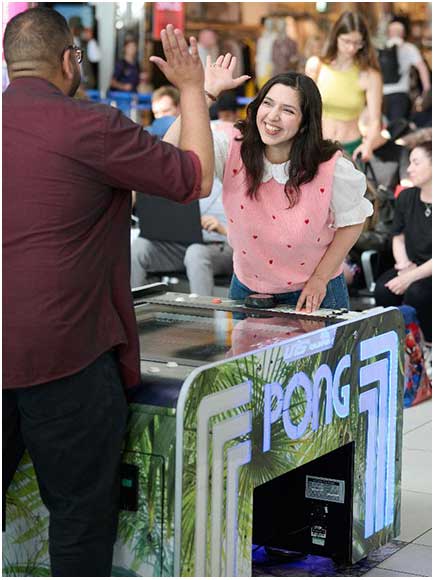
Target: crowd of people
x,y
282,194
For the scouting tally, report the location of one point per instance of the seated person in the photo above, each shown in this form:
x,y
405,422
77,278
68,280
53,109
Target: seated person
x,y
201,262
165,105
410,281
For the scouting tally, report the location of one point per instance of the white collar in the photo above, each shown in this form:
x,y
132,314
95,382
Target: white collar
x,y
276,171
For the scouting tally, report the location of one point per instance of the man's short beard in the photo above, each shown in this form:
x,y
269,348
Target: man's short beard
x,y
75,83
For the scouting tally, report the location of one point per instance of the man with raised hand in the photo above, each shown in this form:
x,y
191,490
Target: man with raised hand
x,y
70,337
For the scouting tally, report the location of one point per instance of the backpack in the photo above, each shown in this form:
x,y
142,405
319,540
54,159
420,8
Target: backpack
x,y
389,63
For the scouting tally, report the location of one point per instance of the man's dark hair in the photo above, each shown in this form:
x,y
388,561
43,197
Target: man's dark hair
x,y
309,149
37,36
404,21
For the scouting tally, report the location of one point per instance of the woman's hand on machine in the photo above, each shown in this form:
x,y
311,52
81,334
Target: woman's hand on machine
x,y
219,75
312,294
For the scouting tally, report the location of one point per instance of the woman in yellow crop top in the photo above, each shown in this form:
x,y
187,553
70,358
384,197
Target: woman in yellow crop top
x,y
349,80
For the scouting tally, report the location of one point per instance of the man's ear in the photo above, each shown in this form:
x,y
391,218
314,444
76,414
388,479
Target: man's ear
x,y
67,65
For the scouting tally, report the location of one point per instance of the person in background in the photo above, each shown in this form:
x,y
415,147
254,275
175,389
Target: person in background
x,y
226,108
397,103
127,72
83,38
70,336
294,205
348,78
201,262
410,281
165,101
93,56
165,105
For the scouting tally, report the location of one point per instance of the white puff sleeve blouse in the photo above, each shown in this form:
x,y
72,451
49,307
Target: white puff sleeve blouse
x,y
348,203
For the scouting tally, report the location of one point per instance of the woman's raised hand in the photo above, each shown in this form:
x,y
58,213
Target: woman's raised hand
x,y
219,76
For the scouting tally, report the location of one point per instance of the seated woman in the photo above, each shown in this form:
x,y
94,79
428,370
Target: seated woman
x,y
410,281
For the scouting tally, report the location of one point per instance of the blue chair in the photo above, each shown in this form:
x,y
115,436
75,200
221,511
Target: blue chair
x,y
93,94
123,100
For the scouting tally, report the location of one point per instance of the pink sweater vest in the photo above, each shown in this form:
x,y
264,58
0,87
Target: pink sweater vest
x,y
277,249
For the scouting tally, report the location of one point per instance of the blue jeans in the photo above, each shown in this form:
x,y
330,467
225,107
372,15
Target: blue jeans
x,y
336,296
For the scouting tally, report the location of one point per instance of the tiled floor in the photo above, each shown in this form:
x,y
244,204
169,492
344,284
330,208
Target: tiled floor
x,y
415,558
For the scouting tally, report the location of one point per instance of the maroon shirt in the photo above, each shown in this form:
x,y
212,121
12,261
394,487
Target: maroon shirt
x,y
68,168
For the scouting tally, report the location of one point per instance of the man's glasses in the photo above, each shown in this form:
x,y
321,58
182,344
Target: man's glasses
x,y
78,52
355,43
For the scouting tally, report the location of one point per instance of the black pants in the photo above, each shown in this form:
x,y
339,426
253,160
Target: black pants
x,y
397,106
73,429
418,295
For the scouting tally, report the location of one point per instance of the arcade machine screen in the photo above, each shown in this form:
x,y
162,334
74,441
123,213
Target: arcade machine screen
x,y
197,336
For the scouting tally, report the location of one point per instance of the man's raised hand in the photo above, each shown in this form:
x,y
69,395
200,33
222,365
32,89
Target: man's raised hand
x,y
182,67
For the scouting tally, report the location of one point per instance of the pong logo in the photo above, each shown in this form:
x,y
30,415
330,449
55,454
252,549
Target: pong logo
x,y
377,397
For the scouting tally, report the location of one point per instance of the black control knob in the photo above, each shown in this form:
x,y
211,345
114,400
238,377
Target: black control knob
x,y
260,301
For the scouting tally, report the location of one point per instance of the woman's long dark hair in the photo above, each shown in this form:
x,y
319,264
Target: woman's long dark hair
x,y
308,150
352,22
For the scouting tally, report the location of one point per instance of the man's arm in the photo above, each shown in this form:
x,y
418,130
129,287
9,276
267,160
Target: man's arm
x,y
184,70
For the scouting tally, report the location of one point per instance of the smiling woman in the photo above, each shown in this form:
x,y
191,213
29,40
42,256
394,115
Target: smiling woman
x,y
294,205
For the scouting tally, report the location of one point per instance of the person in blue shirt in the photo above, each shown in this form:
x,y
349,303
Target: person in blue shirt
x,y
201,262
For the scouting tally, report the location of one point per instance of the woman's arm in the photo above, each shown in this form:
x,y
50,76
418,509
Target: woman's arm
x,y
400,284
315,289
423,271
399,253
373,137
312,68
424,75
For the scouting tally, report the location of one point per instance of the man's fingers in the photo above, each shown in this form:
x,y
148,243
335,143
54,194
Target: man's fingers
x,y
194,48
182,44
159,62
166,45
172,40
